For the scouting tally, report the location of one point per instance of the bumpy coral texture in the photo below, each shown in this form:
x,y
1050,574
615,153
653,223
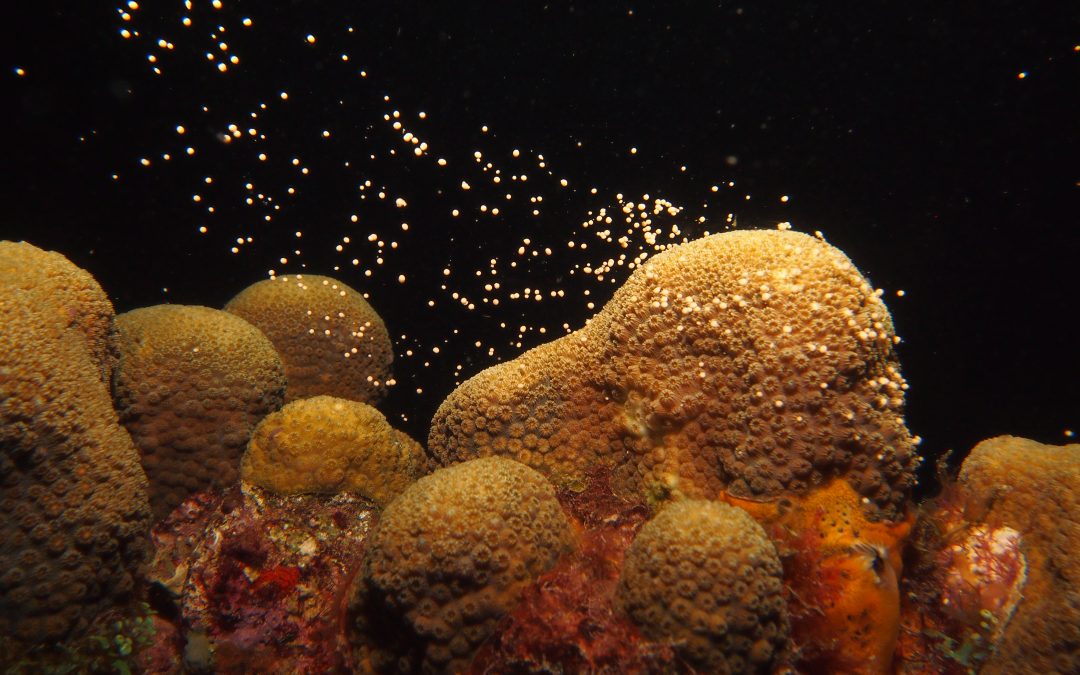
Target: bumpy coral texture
x,y
78,299
755,362
327,445
191,385
74,516
704,576
450,557
330,338
1034,489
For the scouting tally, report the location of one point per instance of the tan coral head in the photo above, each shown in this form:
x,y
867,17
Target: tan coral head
x,y
327,445
756,363
331,340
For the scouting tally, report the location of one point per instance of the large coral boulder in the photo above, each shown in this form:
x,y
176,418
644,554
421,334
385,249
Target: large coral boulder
x,y
756,363
191,385
74,516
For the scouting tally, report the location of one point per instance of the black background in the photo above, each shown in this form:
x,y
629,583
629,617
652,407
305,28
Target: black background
x,y
901,130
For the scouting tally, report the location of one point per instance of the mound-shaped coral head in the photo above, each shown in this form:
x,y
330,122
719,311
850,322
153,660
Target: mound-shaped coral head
x,y
327,445
191,385
331,340
704,577
756,363
449,558
74,516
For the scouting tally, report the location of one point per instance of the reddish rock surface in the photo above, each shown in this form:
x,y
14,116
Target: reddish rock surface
x,y
567,617
253,582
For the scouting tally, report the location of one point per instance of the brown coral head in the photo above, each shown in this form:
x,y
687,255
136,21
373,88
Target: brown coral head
x,y
756,363
190,387
331,340
703,577
327,445
449,558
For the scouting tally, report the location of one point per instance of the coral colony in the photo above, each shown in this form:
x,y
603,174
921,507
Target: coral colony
x,y
713,475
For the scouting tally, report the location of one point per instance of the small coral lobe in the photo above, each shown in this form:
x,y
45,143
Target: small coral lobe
x,y
191,385
448,559
331,340
994,582
702,576
326,445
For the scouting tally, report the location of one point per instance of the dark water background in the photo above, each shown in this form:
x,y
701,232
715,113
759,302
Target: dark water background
x,y
903,131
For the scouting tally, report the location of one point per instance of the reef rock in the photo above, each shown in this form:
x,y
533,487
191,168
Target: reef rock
x,y
255,582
